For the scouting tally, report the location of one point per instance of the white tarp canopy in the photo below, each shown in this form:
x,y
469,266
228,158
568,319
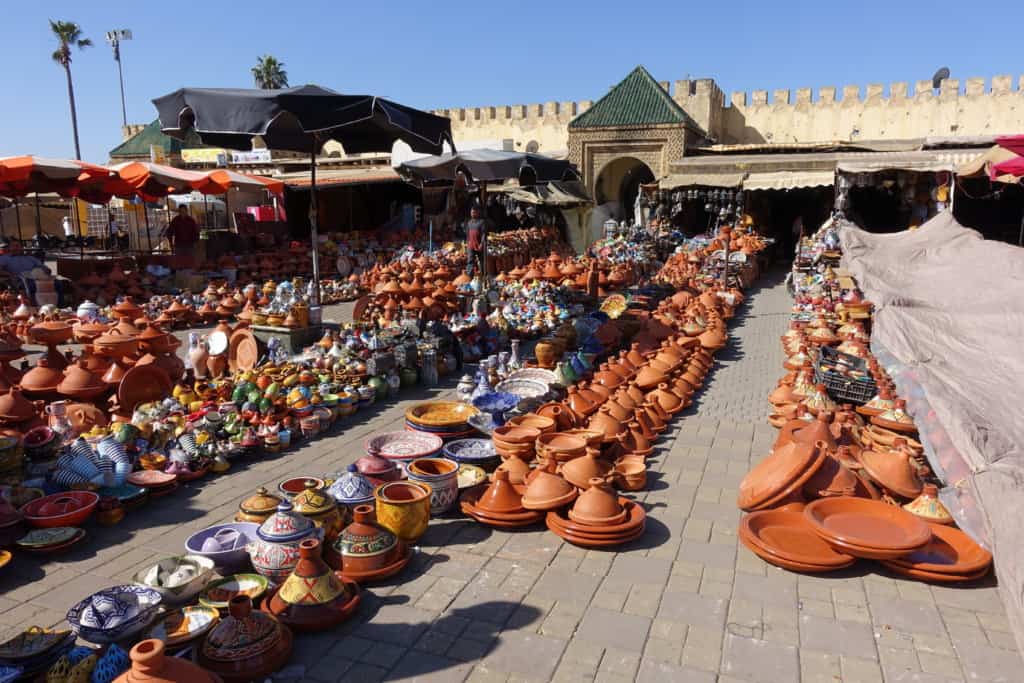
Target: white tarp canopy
x,y
675,180
788,180
948,324
921,161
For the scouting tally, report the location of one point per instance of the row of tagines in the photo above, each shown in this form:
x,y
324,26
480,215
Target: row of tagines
x,y
848,479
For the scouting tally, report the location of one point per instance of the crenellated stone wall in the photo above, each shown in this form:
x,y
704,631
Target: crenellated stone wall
x,y
976,106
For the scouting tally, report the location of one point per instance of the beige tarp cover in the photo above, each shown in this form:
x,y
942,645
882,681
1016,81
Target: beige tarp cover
x,y
923,161
788,180
675,180
949,325
981,165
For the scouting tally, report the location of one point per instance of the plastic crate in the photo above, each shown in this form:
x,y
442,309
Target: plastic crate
x,y
841,388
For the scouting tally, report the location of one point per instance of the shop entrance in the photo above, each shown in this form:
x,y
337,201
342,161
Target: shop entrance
x,y
619,181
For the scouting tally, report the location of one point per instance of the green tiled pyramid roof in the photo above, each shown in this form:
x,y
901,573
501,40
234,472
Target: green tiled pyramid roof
x,y
138,144
637,101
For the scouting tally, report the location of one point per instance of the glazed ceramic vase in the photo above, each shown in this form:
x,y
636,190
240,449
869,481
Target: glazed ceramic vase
x,y
403,508
246,645
314,597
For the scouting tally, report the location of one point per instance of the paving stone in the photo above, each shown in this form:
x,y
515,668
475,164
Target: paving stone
x,y
525,653
982,663
758,660
698,610
711,555
907,615
417,666
566,586
837,637
640,570
614,629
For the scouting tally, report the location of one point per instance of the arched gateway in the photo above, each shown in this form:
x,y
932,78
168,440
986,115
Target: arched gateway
x,y
629,137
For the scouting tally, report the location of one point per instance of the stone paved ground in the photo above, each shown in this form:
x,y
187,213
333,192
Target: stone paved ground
x,y
683,603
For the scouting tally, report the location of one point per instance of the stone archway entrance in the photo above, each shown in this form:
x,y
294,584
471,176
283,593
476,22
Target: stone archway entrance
x,y
619,181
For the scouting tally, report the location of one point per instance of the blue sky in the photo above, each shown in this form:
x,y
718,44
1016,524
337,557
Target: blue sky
x,y
457,53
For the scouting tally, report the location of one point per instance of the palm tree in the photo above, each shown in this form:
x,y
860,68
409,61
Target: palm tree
x,y
269,73
70,35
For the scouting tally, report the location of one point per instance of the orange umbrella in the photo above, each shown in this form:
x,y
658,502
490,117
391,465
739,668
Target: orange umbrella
x,y
220,181
28,174
151,180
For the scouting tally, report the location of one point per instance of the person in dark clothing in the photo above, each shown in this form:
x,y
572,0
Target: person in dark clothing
x,y
476,238
183,233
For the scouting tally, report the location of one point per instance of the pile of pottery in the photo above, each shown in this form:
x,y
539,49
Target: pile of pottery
x,y
845,482
444,419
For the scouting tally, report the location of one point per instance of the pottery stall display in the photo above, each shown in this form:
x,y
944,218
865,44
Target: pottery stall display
x,y
151,665
846,477
365,551
314,597
114,614
275,550
177,579
403,508
34,650
247,644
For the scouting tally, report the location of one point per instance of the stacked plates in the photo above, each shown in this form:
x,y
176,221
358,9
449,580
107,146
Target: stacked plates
x,y
155,482
781,474
786,539
500,504
182,626
862,527
951,556
34,650
444,419
50,540
479,452
408,445
591,536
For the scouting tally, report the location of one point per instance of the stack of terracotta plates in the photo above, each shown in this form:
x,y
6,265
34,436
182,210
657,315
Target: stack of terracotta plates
x,y
512,441
867,528
780,475
598,518
445,419
951,556
783,537
155,482
561,447
500,505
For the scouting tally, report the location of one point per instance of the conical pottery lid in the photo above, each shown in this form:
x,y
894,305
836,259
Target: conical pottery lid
x,y
598,505
285,525
312,582
78,378
352,487
929,507
579,471
243,635
42,377
363,538
313,500
894,471
151,665
374,465
776,473
261,503
500,496
816,430
15,407
547,487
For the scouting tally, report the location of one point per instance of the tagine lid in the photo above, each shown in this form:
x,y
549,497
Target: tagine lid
x,y
14,406
244,634
353,487
313,500
150,664
285,525
312,582
260,503
777,472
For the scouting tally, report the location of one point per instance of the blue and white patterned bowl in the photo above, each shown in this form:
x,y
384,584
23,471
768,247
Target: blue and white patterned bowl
x,y
479,452
114,614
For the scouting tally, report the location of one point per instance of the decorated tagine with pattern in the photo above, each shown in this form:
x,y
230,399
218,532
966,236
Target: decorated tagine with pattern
x,y
247,645
314,597
275,552
258,507
366,551
316,504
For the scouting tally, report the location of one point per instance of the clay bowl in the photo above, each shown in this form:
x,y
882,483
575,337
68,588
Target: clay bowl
x,y
867,528
593,438
630,476
522,452
950,551
543,423
786,538
513,434
561,446
70,508
933,577
296,485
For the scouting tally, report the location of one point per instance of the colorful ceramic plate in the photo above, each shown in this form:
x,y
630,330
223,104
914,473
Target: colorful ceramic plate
x,y
57,547
183,625
218,594
523,388
40,538
534,375
143,384
405,445
151,478
440,413
470,450
470,476
32,642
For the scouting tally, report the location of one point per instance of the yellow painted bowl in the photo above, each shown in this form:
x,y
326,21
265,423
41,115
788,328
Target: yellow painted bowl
x,y
403,508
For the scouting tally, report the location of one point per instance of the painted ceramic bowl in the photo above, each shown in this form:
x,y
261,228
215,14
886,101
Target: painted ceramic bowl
x,y
220,592
177,579
228,559
479,452
404,445
114,614
440,413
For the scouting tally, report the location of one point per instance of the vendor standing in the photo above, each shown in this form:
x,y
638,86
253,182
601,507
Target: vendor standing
x,y
183,233
476,238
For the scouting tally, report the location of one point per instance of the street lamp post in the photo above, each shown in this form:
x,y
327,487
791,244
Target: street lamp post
x,y
114,38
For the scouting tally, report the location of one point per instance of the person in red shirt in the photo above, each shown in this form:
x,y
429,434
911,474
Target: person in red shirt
x,y
183,233
476,238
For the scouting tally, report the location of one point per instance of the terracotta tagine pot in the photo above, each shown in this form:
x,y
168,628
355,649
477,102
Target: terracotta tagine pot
x,y
42,380
547,490
80,383
517,469
16,409
928,507
603,421
598,505
314,597
151,665
377,468
579,471
365,550
258,507
246,645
